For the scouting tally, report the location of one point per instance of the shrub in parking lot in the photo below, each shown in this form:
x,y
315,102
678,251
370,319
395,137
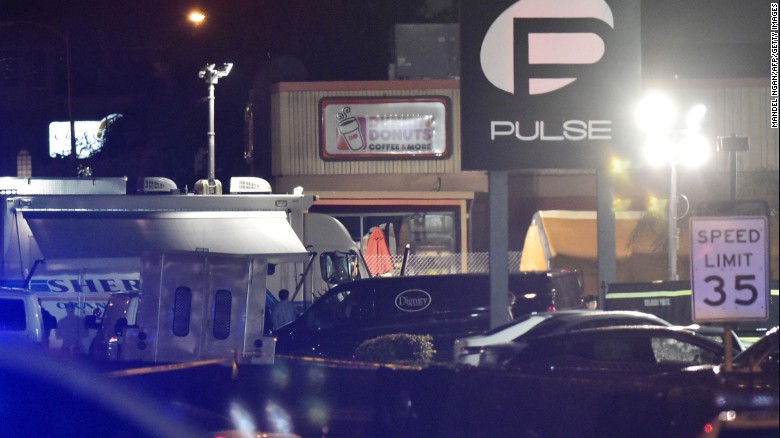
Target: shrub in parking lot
x,y
397,348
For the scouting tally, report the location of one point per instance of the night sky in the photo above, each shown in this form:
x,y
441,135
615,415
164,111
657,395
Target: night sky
x,y
146,50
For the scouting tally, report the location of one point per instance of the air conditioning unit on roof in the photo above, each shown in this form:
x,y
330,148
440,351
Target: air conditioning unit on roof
x,y
156,184
249,184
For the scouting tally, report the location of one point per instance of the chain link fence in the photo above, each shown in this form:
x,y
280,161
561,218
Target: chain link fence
x,y
438,264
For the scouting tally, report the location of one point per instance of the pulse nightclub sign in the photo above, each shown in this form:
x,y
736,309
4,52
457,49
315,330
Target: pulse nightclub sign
x,y
548,83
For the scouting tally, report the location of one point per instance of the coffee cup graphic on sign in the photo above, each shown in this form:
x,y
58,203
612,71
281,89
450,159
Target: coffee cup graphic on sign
x,y
349,128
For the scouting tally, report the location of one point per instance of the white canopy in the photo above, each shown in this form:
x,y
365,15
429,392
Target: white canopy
x,y
79,234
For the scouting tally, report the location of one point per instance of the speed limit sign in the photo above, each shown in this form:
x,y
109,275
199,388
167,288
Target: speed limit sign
x,y
729,269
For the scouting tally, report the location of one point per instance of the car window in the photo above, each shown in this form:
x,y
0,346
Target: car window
x,y
673,350
328,311
354,307
12,315
622,349
603,349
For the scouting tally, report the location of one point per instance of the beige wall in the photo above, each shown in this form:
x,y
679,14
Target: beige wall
x,y
296,125
734,106
739,106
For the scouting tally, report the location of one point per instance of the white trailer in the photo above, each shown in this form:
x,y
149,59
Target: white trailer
x,y
192,306
76,241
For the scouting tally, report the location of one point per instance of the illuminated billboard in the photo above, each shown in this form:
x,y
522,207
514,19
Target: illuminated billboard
x,y
548,84
90,136
377,128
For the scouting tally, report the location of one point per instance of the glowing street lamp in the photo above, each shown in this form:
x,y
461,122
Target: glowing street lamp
x,y
196,17
665,143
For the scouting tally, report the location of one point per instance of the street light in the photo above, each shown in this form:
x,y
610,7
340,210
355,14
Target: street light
x,y
196,17
65,37
666,142
212,74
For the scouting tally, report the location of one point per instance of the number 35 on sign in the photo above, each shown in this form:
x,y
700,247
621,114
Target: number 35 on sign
x,y
729,268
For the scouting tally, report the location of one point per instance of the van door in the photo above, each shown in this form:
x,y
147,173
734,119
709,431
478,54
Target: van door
x,y
339,320
225,313
182,302
443,306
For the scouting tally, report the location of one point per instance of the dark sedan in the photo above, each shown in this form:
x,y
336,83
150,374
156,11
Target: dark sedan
x,y
492,347
603,382
636,348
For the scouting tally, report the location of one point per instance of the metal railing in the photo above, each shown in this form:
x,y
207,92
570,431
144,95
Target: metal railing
x,y
438,264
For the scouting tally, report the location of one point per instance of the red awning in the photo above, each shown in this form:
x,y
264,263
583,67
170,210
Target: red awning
x,y
377,254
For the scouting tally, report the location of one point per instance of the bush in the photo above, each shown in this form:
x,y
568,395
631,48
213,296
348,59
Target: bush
x,y
397,348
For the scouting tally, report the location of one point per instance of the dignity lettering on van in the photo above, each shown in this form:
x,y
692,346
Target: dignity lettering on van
x,y
412,300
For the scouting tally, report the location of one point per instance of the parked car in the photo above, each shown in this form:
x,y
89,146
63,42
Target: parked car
x,y
508,338
21,320
753,380
642,349
653,395
761,357
443,306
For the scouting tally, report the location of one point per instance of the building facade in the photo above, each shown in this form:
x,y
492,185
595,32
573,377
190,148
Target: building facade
x,y
425,200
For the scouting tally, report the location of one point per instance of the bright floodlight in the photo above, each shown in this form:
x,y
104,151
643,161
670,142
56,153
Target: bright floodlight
x,y
694,117
211,73
693,149
196,17
658,149
665,143
656,112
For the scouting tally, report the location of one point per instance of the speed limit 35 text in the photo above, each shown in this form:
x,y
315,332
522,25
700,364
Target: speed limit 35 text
x,y
737,236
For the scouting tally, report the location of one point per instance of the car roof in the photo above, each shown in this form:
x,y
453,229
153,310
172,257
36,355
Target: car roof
x,y
14,291
633,330
580,313
573,313
378,280
564,318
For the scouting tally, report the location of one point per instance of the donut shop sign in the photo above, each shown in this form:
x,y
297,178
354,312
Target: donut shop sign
x,y
385,128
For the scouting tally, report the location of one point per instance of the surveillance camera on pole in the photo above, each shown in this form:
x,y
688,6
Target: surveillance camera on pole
x,y
212,74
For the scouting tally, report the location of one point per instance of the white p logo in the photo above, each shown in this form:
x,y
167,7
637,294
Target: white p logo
x,y
526,46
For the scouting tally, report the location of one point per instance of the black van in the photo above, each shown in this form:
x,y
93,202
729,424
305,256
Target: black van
x,y
443,306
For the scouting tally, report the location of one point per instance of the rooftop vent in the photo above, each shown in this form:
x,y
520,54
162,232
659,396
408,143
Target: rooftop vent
x,y
249,184
156,184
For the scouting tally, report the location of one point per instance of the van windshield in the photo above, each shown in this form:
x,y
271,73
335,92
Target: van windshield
x,y
340,308
324,315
